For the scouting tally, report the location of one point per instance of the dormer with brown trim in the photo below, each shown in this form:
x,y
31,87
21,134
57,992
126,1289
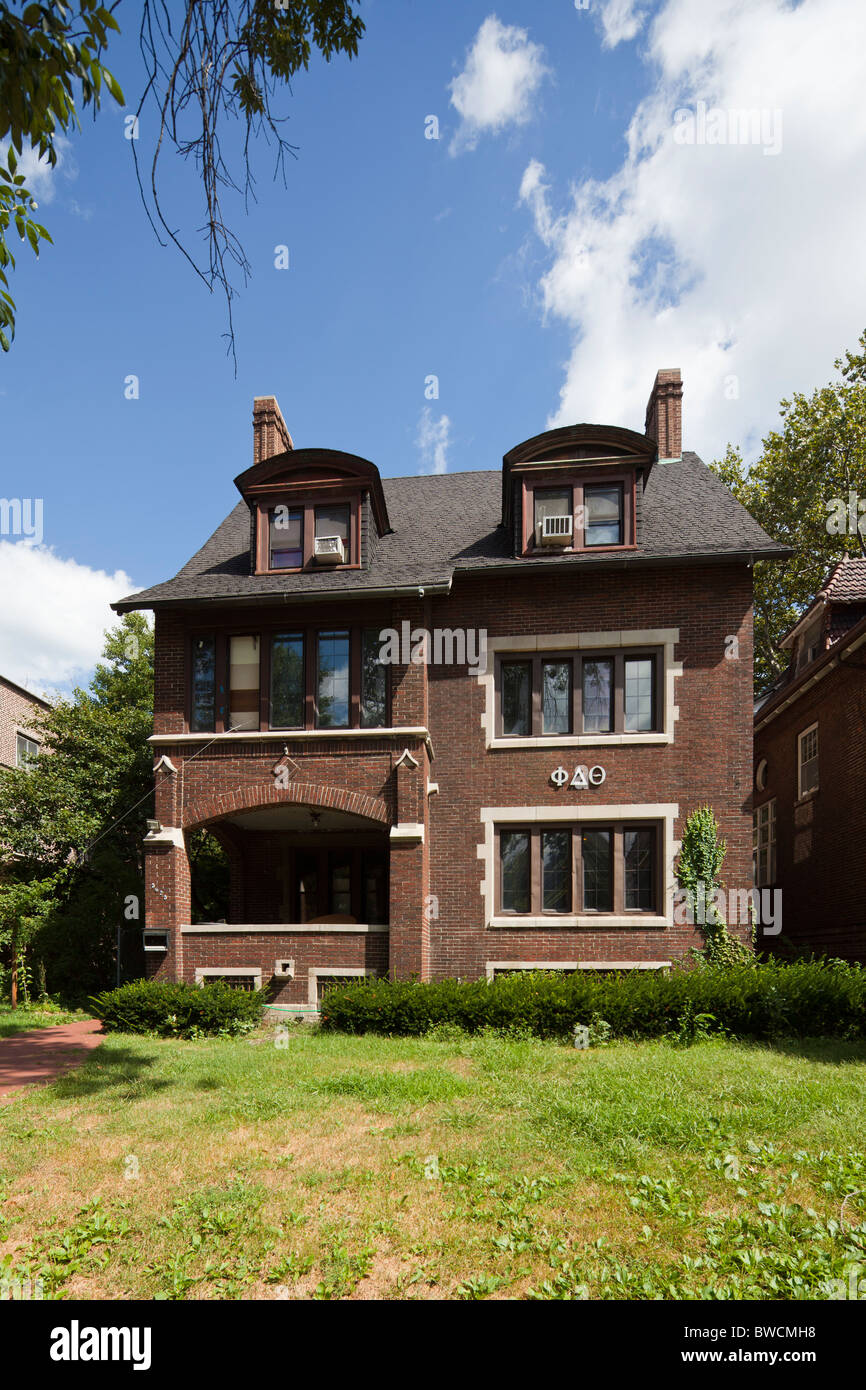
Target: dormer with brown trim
x,y
310,509
575,489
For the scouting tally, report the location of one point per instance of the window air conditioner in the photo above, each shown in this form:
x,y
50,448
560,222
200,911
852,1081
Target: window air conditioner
x,y
556,530
329,550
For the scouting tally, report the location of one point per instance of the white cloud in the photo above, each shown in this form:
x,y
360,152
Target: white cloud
x,y
39,176
739,266
501,75
433,440
53,616
621,20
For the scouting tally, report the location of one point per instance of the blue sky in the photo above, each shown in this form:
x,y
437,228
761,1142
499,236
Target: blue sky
x,y
535,262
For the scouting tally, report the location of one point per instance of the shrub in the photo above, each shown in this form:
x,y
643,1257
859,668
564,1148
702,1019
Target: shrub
x,y
177,1010
700,860
804,999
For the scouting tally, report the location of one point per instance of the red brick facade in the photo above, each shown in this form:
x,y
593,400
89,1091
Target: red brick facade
x,y
17,710
819,835
430,791
437,924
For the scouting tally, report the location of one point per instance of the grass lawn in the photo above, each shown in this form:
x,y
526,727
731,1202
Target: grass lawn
x,y
25,1018
340,1167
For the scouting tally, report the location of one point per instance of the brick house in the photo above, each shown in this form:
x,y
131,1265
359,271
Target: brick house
x,y
18,742
810,772
509,795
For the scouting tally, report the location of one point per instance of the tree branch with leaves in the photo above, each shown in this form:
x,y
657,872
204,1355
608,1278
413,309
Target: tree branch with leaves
x,y
212,69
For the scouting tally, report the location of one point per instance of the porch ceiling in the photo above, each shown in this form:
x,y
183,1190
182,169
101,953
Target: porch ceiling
x,y
295,817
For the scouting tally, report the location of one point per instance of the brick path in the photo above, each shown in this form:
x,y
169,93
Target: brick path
x,y
45,1053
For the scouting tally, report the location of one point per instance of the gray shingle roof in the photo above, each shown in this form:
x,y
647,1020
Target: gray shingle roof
x,y
447,523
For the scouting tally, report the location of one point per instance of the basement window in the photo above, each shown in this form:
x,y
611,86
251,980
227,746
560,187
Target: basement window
x,y
243,977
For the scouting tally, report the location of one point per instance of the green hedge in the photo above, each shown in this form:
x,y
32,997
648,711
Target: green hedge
x,y
152,1006
805,999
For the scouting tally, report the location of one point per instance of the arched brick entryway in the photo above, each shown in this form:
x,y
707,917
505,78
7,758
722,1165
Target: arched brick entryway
x,y
212,808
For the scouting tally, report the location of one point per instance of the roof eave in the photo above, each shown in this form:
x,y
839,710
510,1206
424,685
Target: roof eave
x,y
810,675
275,598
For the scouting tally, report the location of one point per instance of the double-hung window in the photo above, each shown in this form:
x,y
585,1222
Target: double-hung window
x,y
764,843
288,533
26,750
807,761
579,515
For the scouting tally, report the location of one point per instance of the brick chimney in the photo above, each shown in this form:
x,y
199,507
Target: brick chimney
x,y
664,413
270,435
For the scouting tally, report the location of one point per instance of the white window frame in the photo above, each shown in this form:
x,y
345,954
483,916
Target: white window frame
x,y
573,817
801,791
764,819
28,738
572,643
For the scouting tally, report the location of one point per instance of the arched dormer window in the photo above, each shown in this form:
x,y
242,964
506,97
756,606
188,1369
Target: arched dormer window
x,y
308,507
574,490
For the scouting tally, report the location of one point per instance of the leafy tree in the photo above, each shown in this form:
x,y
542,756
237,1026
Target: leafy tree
x,y
72,822
50,58
800,490
209,877
210,66
24,906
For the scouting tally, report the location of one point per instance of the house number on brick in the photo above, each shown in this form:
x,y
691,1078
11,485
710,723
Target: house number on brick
x,y
583,777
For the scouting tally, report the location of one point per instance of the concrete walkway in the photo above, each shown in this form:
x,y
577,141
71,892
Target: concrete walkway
x,y
45,1053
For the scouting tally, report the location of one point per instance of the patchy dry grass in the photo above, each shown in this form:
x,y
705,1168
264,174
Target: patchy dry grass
x,y
335,1167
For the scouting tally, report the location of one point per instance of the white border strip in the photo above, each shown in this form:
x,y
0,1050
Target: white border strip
x,y
291,735
286,928
493,965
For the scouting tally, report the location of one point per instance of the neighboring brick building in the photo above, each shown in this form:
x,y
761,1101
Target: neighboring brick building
x,y
810,775
447,817
18,741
